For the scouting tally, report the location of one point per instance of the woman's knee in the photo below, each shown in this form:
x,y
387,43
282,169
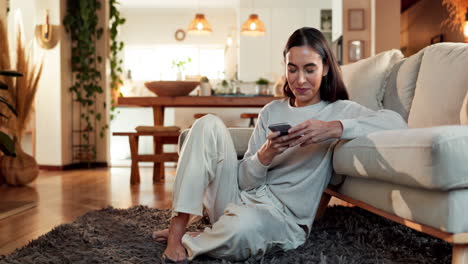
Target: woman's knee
x,y
209,124
246,221
207,121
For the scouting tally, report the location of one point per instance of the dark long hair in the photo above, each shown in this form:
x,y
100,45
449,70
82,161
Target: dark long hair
x,y
332,87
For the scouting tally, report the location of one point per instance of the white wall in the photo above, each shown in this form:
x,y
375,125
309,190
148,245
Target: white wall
x,y
157,26
263,56
337,19
49,114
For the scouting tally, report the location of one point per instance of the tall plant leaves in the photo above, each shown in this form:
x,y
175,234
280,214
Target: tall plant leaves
x,y
7,146
11,73
4,101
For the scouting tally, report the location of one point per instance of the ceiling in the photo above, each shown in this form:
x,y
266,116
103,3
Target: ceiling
x,y
179,3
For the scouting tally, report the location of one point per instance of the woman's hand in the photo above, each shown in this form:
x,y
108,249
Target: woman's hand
x,y
274,145
314,131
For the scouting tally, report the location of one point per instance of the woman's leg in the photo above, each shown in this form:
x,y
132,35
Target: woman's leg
x,y
246,231
206,175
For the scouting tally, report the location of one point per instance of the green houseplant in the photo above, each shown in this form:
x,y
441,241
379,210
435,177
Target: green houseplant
x,y
261,87
181,66
81,22
116,46
261,81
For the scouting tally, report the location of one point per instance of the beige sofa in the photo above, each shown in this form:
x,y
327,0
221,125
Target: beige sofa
x,y
419,176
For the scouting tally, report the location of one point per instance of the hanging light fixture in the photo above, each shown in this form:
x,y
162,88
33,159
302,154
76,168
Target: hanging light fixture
x,y
200,25
229,40
253,26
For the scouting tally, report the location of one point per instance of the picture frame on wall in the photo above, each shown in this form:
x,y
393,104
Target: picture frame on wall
x,y
356,19
356,50
326,20
326,24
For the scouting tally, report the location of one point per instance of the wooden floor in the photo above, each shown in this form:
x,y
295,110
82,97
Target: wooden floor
x,y
62,196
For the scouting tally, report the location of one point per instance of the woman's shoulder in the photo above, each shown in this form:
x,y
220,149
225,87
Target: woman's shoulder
x,y
344,103
280,103
348,106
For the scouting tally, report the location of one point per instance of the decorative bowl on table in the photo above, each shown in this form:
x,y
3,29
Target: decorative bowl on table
x,y
171,88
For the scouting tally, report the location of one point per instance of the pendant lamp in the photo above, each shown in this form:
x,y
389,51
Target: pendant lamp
x,y
253,26
200,25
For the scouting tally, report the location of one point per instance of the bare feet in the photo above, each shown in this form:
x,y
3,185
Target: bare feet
x,y
175,251
162,235
193,234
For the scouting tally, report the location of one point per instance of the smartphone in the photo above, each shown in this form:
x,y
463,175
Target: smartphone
x,y
282,127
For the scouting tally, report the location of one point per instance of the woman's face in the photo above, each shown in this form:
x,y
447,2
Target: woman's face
x,y
304,72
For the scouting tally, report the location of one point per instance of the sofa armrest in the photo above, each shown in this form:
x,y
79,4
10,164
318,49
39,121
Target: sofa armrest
x,y
430,158
240,138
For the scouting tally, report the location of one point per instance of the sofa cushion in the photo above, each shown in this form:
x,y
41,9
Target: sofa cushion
x,y
464,111
442,210
401,85
365,79
391,100
441,86
430,158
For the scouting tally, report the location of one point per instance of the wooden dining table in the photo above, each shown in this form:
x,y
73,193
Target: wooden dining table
x,y
159,104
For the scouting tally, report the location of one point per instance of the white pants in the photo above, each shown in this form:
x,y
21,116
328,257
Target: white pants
x,y
245,224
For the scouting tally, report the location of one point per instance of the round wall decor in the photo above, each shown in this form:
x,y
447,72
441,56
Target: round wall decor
x,y
179,35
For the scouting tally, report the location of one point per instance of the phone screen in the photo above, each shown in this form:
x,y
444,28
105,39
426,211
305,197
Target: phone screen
x,y
281,127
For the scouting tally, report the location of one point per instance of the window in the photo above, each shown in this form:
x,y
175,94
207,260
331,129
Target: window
x,y
155,62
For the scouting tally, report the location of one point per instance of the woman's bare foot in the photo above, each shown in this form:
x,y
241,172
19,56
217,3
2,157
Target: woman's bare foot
x,y
175,251
162,235
193,234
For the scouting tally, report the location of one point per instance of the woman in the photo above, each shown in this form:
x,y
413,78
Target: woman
x,y
271,196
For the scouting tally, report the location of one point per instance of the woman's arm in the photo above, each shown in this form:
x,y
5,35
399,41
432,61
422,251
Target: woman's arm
x,y
252,172
367,121
263,147
353,120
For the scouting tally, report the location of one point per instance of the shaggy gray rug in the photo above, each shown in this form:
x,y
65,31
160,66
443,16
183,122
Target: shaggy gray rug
x,y
343,235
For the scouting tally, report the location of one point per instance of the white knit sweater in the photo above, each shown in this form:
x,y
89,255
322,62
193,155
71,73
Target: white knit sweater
x,y
298,176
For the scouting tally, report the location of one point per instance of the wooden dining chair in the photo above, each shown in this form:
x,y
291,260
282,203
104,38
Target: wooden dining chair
x,y
251,116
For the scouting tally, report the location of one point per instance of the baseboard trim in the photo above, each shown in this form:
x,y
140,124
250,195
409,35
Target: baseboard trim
x,y
75,166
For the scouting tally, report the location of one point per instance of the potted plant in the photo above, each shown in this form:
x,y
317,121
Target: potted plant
x,y
21,92
180,65
7,146
205,86
262,86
